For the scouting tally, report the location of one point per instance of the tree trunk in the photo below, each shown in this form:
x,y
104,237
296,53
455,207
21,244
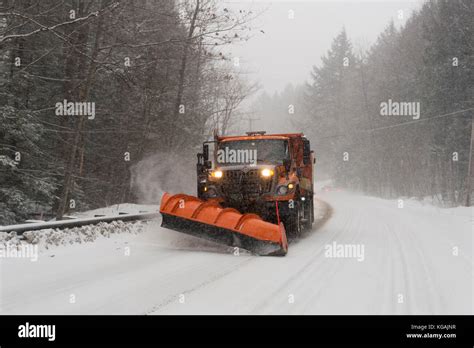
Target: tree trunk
x,y
470,169
83,95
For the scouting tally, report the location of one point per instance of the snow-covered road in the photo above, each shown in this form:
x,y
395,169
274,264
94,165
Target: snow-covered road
x,y
416,260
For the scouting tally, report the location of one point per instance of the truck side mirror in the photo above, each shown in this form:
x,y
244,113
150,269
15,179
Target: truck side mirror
x,y
287,164
205,152
306,152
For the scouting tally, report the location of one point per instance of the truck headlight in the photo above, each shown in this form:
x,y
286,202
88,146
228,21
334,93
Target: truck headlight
x,y
217,174
211,193
282,190
266,173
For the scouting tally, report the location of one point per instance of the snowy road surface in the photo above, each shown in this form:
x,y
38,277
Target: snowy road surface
x,y
416,260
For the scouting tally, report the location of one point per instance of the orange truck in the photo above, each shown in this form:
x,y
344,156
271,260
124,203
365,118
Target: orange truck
x,y
252,191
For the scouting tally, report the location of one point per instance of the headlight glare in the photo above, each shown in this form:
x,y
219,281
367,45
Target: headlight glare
x,y
217,174
266,173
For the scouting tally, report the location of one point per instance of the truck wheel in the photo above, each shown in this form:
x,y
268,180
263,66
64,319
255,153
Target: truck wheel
x,y
293,225
308,213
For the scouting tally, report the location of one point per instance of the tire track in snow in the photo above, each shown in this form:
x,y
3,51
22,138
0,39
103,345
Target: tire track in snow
x,y
411,255
309,263
171,299
433,303
405,286
354,224
321,273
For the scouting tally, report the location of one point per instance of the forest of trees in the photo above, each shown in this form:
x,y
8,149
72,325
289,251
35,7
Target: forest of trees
x,y
429,61
158,78
155,73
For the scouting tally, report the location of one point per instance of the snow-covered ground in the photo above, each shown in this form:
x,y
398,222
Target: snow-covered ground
x,y
416,260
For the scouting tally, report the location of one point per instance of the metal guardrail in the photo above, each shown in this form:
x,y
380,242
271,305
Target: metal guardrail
x,y
77,222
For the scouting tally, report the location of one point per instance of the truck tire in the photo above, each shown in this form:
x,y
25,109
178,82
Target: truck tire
x,y
308,210
292,221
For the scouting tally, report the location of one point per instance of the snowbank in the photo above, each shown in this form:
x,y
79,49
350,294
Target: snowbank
x,y
48,238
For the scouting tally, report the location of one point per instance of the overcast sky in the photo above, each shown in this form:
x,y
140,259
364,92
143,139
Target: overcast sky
x,y
289,48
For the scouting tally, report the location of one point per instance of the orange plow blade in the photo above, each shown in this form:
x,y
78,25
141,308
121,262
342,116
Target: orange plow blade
x,y
208,220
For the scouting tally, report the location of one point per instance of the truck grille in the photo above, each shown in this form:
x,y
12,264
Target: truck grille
x,y
249,184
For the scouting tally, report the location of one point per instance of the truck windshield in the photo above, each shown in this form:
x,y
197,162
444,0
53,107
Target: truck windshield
x,y
252,151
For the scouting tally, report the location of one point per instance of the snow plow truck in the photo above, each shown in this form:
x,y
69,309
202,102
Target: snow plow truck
x,y
252,192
